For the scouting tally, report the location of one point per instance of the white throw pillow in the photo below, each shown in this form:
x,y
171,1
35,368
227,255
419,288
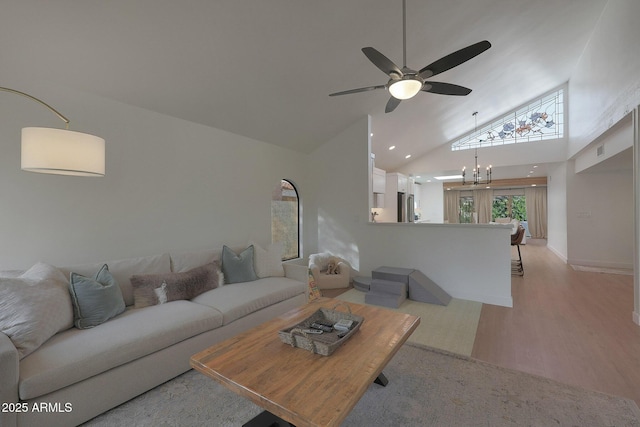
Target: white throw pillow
x,y
268,262
34,307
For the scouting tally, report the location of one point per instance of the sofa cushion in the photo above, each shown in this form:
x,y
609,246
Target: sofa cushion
x,y
123,269
95,300
34,307
240,299
238,268
77,354
152,289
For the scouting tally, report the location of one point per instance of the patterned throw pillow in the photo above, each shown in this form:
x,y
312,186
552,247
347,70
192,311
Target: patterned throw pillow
x,y
95,300
34,307
153,289
314,291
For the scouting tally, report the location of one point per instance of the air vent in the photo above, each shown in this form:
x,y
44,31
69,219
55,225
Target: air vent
x,y
600,150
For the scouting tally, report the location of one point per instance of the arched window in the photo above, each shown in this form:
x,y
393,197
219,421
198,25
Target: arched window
x,y
285,219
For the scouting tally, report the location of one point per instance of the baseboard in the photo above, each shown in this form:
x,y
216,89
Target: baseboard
x,y
607,270
602,267
557,253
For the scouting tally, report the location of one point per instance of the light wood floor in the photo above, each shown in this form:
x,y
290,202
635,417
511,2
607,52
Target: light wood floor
x,y
572,326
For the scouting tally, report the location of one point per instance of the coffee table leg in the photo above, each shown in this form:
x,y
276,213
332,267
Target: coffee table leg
x,y
382,380
267,419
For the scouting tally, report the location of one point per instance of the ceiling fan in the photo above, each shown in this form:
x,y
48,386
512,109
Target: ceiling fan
x,y
405,83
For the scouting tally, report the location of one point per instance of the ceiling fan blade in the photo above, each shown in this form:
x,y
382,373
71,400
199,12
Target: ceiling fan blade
x,y
362,89
445,89
454,59
379,60
391,104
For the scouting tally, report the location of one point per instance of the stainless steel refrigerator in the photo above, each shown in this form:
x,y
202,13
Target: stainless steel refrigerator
x,y
405,208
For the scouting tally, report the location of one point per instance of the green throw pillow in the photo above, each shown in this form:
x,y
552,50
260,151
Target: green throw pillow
x,y
95,300
238,268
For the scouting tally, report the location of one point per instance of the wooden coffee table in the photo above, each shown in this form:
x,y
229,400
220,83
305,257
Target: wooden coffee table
x,y
295,385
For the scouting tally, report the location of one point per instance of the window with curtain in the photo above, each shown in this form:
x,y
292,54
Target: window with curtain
x,y
511,206
537,212
466,209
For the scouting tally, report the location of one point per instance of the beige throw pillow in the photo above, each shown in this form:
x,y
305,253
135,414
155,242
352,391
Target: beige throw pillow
x,y
268,262
34,307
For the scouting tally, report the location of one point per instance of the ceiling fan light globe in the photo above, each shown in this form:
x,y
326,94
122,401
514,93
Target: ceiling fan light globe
x,y
405,89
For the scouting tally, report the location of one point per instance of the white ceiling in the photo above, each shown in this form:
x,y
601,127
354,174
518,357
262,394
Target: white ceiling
x,y
264,69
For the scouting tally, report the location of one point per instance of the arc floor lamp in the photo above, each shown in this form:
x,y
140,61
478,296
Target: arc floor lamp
x,y
60,151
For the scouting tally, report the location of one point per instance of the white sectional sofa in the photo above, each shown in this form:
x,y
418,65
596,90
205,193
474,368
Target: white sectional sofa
x,y
79,373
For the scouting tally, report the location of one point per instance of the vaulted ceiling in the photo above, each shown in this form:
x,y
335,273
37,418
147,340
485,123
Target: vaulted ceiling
x,y
264,69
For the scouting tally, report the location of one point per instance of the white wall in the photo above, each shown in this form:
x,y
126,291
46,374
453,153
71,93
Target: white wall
x,y
557,209
469,262
170,185
605,85
600,219
431,202
613,142
600,201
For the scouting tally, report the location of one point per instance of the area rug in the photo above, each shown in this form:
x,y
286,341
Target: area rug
x,y
451,327
427,387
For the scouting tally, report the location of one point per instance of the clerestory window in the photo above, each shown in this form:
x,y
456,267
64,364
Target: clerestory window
x,y
540,120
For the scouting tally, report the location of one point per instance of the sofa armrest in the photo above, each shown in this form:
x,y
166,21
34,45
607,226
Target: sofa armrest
x,y
9,373
296,271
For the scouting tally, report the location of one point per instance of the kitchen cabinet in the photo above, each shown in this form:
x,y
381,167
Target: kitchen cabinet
x,y
402,182
379,180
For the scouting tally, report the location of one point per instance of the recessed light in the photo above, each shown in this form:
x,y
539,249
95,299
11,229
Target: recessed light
x,y
533,185
407,156
392,147
371,134
535,166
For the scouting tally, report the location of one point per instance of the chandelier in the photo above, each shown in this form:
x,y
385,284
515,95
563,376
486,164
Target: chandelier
x,y
477,177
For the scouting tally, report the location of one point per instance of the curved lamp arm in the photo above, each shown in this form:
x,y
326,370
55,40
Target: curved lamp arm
x,y
26,95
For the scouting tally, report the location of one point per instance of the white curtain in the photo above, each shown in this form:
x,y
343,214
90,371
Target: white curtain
x,y
451,207
536,202
483,201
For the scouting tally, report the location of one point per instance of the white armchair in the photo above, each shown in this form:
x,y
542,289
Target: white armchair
x,y
319,263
